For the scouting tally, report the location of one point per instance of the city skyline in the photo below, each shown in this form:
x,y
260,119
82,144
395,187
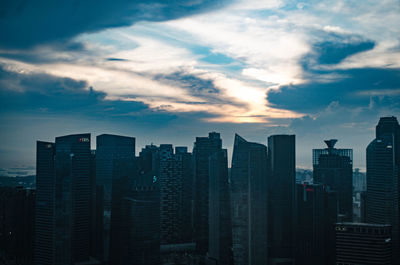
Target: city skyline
x,y
168,71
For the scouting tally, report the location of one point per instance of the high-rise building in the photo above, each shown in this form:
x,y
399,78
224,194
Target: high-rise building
x,y
334,168
112,151
249,202
383,161
281,198
45,204
316,215
362,243
186,166
17,219
170,183
220,228
63,200
141,208
203,148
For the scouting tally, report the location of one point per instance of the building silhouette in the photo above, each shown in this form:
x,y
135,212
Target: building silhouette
x,y
45,203
17,219
170,179
316,216
63,200
139,244
334,168
111,152
249,202
185,161
281,198
382,197
204,147
362,243
220,228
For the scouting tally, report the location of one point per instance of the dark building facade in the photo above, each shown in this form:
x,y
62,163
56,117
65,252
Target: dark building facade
x,y
112,151
316,216
249,202
176,192
170,183
203,148
63,200
382,197
185,160
281,198
362,243
139,243
220,228
334,168
17,219
45,203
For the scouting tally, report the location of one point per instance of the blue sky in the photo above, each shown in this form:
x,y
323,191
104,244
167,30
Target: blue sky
x,y
168,71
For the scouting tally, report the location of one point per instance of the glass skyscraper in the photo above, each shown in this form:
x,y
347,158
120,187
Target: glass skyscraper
x,y
204,147
249,202
334,168
382,199
114,159
63,202
281,198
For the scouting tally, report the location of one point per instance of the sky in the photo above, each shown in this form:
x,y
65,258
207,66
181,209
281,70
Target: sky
x,y
168,71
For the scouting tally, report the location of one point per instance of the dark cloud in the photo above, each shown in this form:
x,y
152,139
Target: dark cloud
x,y
24,23
332,48
196,86
348,90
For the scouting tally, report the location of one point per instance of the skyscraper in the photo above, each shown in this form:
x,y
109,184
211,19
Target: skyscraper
x,y
249,202
112,151
186,162
203,148
135,232
170,183
63,200
382,197
316,215
72,195
361,243
220,228
334,168
45,204
281,198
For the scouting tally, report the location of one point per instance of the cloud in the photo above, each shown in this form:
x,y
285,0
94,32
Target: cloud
x,y
28,23
351,88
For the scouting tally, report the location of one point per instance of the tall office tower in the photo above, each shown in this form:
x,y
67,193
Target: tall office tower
x,y
316,215
220,227
95,206
362,243
72,218
203,148
186,208
17,212
170,183
382,198
249,175
63,200
45,204
113,152
281,198
334,168
140,222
